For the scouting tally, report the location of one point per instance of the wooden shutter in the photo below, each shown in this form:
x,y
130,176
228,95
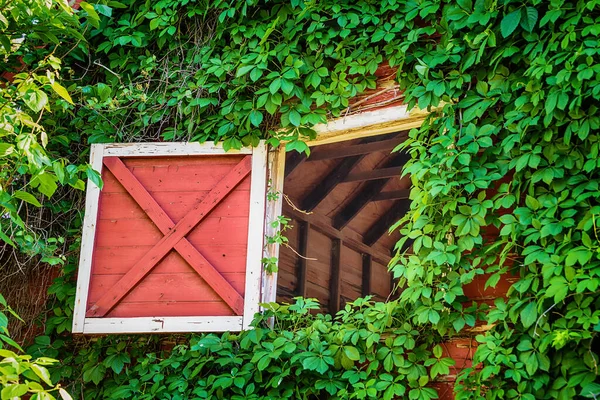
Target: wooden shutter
x,y
173,241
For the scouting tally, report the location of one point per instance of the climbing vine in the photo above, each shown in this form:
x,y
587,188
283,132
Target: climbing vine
x,y
505,176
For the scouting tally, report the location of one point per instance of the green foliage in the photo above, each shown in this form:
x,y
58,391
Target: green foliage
x,y
505,179
505,174
19,374
34,37
368,352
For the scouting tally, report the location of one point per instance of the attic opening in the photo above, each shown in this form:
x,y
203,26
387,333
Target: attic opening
x,y
344,198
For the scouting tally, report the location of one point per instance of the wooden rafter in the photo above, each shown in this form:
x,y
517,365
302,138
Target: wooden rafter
x,y
367,193
387,143
337,175
329,231
382,225
392,195
380,173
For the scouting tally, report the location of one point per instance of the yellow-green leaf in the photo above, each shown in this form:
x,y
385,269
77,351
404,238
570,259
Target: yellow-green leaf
x,y
26,197
61,91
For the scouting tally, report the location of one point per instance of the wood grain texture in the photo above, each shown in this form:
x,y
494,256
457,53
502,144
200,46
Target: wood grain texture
x,y
87,241
111,297
256,236
196,260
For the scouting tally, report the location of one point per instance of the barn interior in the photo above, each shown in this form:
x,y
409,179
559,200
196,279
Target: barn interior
x,y
341,200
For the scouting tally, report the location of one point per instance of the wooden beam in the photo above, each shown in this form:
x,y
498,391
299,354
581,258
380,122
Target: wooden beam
x,y
335,177
335,280
275,177
366,193
293,160
388,145
303,229
367,263
392,195
316,223
381,173
382,225
371,123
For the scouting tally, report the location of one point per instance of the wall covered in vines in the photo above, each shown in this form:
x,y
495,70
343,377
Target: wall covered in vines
x,y
505,173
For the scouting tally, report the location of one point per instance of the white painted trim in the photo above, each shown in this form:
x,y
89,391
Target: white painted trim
x,y
370,123
87,241
169,149
162,324
276,162
258,189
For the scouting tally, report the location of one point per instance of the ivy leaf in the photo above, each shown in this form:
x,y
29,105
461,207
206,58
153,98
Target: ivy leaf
x,y
243,70
256,117
295,117
103,9
529,314
510,22
93,17
61,91
6,149
591,390
64,394
6,239
94,176
45,183
42,373
529,18
26,197
352,353
36,100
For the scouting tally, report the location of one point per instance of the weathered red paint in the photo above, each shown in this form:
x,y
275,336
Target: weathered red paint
x,y
171,237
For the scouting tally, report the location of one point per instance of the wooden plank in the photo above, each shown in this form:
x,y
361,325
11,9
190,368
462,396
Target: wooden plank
x,y
392,195
177,162
170,309
121,206
167,287
335,281
367,263
366,193
166,224
293,160
382,225
139,232
357,149
224,257
169,149
331,232
256,233
181,229
87,241
162,324
276,167
182,179
303,230
381,173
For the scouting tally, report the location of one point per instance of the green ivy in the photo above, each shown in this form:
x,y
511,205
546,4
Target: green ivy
x,y
505,174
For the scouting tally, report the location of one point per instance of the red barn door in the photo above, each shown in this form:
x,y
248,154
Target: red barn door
x,y
173,241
